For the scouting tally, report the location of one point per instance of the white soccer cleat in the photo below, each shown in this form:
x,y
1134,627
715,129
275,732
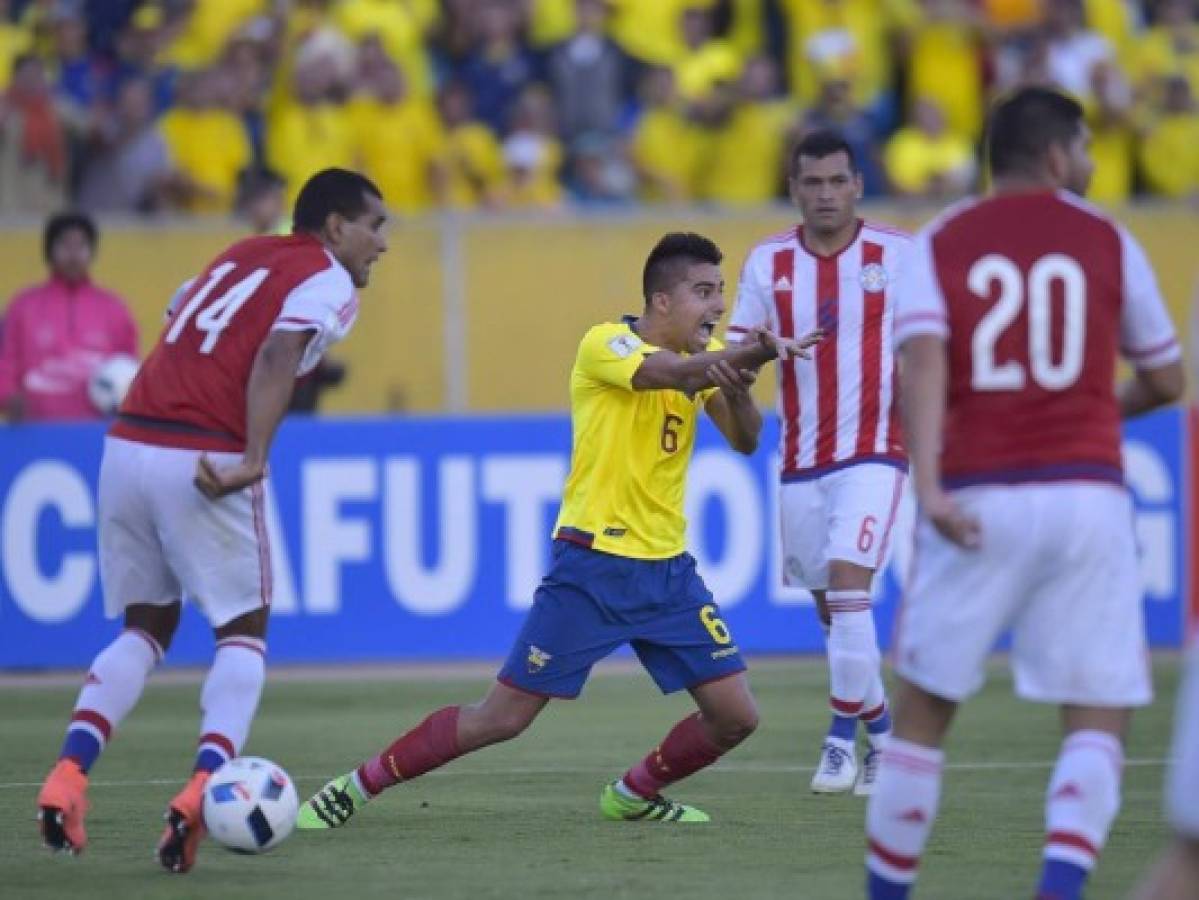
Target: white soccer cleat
x,y
864,786
838,770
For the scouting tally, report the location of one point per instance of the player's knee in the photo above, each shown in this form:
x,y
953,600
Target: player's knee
x,y
507,725
252,625
159,622
491,724
735,726
846,576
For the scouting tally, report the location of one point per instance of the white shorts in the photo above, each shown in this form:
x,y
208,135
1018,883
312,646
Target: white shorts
x,y
1182,785
160,538
1057,566
847,514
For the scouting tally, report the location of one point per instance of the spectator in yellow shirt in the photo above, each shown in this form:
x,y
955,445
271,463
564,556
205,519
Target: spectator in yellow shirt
x,y
820,33
474,160
666,145
745,162
706,60
14,40
533,153
551,21
945,64
1169,161
1116,21
649,29
927,160
208,143
1169,49
399,142
1110,118
402,26
309,131
208,28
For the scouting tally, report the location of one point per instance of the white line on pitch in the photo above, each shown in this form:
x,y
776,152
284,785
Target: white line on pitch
x,y
728,767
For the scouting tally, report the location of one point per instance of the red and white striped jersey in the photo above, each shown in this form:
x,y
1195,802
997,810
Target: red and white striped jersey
x,y
837,409
1035,294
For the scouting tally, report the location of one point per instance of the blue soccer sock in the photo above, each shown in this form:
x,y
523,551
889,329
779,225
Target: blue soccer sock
x,y
843,728
84,744
1061,880
879,888
878,724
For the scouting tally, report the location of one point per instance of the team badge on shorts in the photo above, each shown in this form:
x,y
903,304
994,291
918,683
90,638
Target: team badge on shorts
x,y
537,659
873,278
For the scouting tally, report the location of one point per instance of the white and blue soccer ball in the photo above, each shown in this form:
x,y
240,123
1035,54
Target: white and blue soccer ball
x,y
110,381
250,805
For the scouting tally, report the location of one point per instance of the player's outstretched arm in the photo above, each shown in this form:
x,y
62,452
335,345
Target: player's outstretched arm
x,y
271,383
732,407
922,375
664,370
1150,388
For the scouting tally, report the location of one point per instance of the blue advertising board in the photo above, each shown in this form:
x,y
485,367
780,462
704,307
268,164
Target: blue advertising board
x,y
424,538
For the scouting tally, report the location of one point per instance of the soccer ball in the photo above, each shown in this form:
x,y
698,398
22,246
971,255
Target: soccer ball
x,y
110,382
250,805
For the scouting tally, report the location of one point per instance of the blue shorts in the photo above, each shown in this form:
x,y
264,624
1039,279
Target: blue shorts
x,y
589,603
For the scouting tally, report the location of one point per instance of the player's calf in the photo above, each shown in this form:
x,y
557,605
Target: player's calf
x,y
728,715
229,699
900,817
1081,803
853,670
114,683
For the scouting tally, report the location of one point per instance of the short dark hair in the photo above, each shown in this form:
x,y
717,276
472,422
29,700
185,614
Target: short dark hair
x,y
668,261
60,223
819,144
1024,125
331,191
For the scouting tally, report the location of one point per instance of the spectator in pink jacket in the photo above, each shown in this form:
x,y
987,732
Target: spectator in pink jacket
x,y
57,332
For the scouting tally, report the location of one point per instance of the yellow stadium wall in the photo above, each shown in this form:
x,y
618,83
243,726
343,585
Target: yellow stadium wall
x,y
519,295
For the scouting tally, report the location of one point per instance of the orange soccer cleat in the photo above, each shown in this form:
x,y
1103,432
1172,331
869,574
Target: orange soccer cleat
x,y
62,804
185,826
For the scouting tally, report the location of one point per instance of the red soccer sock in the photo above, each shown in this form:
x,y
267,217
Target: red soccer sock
x,y
685,751
432,743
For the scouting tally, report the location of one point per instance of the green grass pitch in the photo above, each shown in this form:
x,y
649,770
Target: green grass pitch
x,y
521,820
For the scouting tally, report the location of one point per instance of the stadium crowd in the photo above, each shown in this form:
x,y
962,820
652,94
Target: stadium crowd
x,y
142,106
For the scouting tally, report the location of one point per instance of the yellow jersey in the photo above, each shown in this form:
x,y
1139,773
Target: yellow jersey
x,y
398,145
210,146
628,468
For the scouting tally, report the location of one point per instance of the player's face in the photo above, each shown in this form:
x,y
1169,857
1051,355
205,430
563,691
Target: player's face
x,y
826,191
696,306
358,242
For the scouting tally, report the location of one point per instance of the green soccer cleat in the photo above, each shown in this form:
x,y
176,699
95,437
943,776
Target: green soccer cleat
x,y
614,804
332,805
